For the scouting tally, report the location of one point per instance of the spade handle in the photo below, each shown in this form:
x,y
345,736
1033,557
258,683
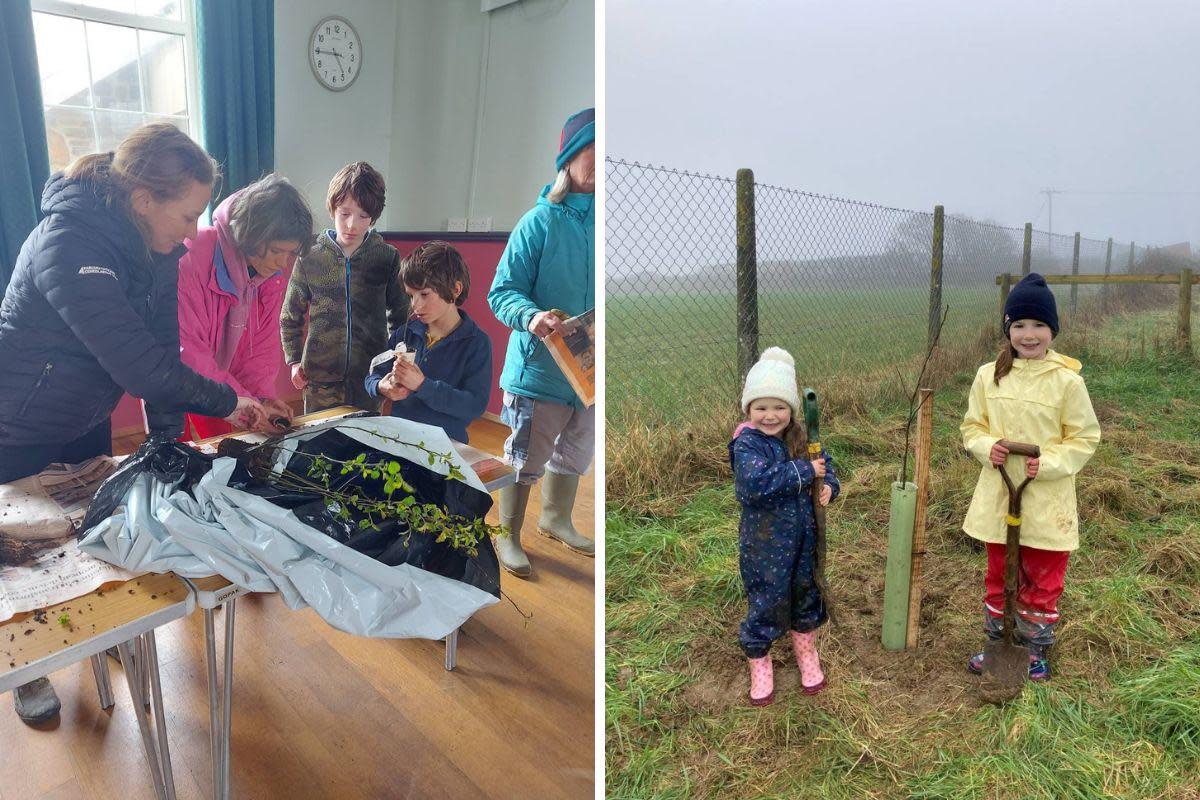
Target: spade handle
x,y
1021,448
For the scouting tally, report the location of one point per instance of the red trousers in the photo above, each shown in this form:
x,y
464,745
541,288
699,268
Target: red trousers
x,y
1039,582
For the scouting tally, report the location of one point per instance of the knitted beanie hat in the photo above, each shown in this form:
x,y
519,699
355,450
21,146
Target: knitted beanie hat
x,y
773,375
578,132
1031,298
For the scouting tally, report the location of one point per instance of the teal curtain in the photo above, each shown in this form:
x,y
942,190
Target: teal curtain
x,y
24,159
236,53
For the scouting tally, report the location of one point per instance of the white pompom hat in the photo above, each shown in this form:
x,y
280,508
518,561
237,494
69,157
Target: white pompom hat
x,y
773,375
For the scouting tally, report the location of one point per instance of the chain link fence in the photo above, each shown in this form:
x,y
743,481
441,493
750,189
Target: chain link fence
x,y
843,285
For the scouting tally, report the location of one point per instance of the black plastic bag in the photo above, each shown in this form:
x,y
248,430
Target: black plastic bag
x,y
166,460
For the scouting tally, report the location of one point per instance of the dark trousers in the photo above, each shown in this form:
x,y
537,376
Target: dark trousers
x,y
21,461
781,592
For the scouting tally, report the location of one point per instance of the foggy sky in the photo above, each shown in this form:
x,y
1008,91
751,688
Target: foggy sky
x,y
974,104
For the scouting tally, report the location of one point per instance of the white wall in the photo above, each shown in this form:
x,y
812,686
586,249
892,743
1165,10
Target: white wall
x,y
318,131
439,51
539,69
426,98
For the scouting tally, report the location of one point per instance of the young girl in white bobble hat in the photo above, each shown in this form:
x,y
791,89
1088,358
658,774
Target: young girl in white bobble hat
x,y
777,536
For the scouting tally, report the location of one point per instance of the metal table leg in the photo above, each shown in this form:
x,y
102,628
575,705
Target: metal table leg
x,y
452,650
162,788
103,684
145,673
220,697
160,715
214,723
227,698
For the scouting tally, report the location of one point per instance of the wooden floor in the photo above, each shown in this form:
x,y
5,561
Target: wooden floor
x,y
322,714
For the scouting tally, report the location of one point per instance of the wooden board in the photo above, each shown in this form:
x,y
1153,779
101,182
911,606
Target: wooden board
x,y
28,637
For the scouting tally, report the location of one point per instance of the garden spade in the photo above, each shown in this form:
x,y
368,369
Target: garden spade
x,y
1005,662
812,423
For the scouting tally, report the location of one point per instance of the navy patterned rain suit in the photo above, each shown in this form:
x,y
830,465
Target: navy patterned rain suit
x,y
777,539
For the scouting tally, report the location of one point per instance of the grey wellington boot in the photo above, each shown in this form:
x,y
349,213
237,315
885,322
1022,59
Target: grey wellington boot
x,y
513,501
558,499
36,702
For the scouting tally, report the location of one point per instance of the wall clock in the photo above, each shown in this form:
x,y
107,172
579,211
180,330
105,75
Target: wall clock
x,y
335,53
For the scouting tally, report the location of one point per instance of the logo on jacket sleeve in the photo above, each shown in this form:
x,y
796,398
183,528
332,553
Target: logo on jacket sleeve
x,y
98,271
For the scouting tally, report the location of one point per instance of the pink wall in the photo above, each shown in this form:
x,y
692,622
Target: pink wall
x,y
482,254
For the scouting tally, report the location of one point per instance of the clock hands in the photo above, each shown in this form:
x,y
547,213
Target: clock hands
x,y
336,55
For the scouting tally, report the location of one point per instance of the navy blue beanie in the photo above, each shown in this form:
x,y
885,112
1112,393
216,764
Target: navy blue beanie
x,y
1031,298
578,132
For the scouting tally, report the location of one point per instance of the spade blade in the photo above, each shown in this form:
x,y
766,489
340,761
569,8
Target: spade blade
x,y
1005,667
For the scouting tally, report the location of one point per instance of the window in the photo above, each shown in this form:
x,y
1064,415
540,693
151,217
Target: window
x,y
109,66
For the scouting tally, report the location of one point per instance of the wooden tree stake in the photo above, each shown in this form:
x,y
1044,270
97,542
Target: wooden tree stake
x,y
921,478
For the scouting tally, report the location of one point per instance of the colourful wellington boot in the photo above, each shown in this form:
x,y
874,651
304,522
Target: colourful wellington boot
x,y
805,647
558,499
1039,667
513,501
762,681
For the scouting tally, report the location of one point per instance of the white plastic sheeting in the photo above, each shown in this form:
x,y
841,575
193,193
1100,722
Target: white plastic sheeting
x,y
265,548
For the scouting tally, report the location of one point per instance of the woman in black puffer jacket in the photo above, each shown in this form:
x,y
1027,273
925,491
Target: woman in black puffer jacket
x,y
90,313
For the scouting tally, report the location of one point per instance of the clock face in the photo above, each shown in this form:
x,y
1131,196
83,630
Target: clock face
x,y
335,53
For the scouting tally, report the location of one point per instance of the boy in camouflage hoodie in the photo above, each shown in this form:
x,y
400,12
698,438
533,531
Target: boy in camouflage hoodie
x,y
346,286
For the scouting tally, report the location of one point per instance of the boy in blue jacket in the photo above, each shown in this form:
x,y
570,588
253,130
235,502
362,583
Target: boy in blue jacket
x,y
444,376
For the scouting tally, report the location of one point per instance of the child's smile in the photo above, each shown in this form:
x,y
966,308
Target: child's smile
x,y
1030,338
770,415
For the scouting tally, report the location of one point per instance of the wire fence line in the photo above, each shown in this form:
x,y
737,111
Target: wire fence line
x,y
842,284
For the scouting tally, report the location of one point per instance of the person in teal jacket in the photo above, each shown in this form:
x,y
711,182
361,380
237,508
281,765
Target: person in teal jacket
x,y
548,265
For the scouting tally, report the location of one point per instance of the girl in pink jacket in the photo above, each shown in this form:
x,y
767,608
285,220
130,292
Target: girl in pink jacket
x,y
231,285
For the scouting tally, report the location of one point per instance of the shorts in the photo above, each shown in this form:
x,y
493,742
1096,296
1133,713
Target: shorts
x,y
547,435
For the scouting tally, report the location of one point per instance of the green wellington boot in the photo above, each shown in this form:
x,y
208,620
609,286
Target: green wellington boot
x,y
513,501
558,499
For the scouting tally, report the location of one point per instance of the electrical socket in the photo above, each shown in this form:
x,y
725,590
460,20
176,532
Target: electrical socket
x,y
479,224
457,224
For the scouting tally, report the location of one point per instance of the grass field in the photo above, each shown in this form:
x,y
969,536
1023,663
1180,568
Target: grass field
x,y
671,350
1121,718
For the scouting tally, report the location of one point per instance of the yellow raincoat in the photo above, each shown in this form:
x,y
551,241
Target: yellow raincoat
x,y
1042,402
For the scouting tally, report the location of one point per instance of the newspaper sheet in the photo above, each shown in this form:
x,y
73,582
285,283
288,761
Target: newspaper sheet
x,y
40,561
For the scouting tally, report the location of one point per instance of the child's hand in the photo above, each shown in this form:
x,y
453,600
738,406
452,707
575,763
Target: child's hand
x,y
388,388
299,379
408,375
818,467
998,454
826,494
1031,467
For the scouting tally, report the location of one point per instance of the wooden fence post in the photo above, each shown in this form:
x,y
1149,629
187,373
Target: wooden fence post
x,y
921,478
935,275
1027,252
1185,311
747,275
1005,287
1107,270
1075,271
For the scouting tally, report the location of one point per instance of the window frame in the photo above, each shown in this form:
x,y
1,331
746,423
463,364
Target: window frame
x,y
184,27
